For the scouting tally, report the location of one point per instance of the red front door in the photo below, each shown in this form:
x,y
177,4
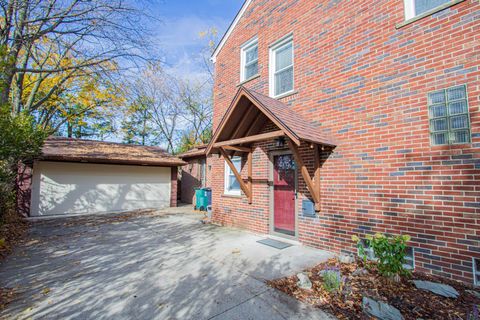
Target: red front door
x,y
284,194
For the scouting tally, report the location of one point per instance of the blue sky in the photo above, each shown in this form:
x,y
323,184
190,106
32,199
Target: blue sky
x,y
181,21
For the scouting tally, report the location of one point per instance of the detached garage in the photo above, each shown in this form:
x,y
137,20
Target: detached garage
x,y
76,176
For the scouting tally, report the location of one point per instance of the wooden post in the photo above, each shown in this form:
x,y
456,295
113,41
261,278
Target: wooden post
x,y
304,171
250,172
317,177
243,186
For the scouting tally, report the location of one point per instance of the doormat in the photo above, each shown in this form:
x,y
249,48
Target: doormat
x,y
275,243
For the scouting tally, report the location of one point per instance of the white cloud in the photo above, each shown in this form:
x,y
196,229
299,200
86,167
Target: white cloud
x,y
178,41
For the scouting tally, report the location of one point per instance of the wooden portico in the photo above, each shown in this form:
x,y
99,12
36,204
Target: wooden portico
x,y
244,124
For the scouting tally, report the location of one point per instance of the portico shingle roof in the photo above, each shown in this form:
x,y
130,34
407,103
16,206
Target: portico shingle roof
x,y
250,111
299,126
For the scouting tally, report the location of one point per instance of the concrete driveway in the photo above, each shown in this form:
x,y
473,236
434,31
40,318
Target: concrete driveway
x,y
165,266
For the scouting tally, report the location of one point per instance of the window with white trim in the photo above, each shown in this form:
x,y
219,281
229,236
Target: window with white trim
x,y
232,187
449,118
415,8
249,60
281,68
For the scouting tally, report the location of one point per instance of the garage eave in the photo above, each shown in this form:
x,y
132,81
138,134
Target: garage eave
x,y
153,163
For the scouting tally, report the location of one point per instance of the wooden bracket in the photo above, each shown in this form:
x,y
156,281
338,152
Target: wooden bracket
x,y
247,189
312,186
237,148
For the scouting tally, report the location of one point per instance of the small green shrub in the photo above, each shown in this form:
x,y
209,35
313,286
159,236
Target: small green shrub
x,y
332,280
389,253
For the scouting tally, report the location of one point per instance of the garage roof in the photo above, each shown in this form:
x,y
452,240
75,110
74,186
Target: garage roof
x,y
79,150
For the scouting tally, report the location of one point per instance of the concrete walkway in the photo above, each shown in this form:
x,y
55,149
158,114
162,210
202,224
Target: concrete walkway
x,y
166,266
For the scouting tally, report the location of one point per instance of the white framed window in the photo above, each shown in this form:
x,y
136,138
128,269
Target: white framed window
x,y
415,8
232,187
449,117
249,60
281,67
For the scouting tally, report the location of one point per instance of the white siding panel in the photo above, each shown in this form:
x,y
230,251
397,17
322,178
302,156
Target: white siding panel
x,y
75,188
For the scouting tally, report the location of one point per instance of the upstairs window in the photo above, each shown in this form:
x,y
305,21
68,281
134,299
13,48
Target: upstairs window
x,y
232,187
281,68
414,8
249,60
449,118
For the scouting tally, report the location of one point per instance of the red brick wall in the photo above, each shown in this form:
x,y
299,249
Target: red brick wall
x,y
191,179
366,82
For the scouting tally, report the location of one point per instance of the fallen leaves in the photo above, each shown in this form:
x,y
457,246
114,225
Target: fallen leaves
x,y
7,295
411,302
13,228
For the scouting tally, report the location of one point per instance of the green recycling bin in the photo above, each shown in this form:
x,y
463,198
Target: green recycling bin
x,y
201,199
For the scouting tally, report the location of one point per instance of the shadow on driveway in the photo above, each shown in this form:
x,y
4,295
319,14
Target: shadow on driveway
x,y
150,267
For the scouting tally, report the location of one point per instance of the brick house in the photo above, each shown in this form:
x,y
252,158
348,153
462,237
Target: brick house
x,y
341,118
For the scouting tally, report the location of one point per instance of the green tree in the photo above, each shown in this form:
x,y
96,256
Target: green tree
x,y
136,125
21,141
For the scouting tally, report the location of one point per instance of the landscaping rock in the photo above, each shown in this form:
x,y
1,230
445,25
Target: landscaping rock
x,y
380,310
438,288
304,282
346,258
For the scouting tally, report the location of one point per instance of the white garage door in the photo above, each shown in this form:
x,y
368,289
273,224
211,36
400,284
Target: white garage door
x,y
74,188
